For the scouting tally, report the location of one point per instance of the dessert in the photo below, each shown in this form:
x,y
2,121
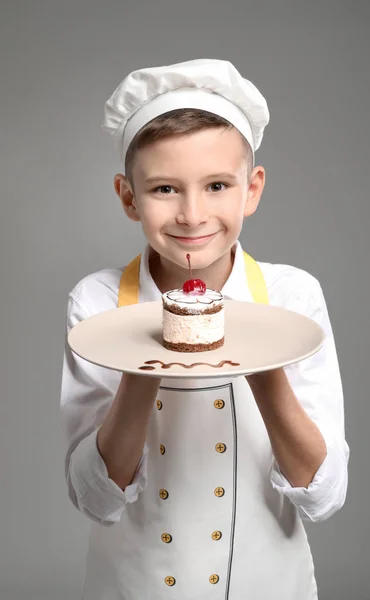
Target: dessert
x,y
193,317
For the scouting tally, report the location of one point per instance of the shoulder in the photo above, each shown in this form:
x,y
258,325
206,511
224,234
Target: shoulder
x,y
97,291
292,287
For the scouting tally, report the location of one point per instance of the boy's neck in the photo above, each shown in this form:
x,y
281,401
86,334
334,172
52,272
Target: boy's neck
x,y
168,276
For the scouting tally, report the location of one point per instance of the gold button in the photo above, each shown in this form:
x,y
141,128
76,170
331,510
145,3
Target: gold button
x,y
163,494
159,405
216,535
170,580
162,449
166,538
220,448
219,403
219,491
214,579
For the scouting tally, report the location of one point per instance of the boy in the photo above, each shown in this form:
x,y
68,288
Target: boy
x,y
197,489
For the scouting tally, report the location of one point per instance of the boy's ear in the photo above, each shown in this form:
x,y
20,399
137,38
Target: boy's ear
x,y
255,189
123,190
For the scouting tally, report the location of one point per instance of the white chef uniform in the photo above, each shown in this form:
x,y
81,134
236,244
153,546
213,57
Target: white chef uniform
x,y
208,515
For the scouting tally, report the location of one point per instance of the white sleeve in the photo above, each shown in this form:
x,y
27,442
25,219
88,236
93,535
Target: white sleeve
x,y
87,392
317,384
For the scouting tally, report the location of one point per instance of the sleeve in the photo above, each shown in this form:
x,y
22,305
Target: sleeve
x,y
87,392
317,384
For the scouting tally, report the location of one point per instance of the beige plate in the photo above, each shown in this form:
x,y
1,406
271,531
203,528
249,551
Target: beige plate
x,y
258,337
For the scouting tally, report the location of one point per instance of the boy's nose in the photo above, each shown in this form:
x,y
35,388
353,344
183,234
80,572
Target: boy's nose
x,y
192,211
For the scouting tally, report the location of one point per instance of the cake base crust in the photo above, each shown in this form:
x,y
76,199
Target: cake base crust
x,y
193,347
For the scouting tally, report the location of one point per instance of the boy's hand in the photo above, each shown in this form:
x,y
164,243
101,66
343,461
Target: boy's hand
x,y
138,379
265,378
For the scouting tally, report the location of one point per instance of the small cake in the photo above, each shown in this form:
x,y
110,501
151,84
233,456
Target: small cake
x,y
193,317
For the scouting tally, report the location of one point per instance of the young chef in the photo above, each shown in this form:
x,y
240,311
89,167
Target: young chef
x,y
196,489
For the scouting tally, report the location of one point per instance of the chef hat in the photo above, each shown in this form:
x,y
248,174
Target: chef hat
x,y
208,84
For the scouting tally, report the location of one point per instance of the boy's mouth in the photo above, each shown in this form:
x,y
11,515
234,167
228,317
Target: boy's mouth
x,y
193,240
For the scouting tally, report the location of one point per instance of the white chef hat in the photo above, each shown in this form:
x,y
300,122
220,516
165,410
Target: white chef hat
x,y
208,84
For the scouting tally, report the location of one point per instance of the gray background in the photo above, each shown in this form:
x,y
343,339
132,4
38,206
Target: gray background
x,y
61,220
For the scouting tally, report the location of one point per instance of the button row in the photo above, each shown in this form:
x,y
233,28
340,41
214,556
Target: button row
x,y
171,580
167,537
220,447
217,404
219,492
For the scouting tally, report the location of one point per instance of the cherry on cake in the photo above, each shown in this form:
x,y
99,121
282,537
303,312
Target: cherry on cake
x,y
193,317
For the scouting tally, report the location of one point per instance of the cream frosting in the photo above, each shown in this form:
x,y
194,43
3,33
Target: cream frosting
x,y
194,303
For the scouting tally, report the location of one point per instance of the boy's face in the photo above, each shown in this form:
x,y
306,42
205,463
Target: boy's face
x,y
199,198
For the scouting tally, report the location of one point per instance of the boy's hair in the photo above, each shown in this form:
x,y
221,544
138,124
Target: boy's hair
x,y
175,123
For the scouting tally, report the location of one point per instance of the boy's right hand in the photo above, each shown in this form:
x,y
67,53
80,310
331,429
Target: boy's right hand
x,y
144,383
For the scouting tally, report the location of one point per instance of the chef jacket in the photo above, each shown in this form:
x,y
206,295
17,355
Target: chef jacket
x,y
208,514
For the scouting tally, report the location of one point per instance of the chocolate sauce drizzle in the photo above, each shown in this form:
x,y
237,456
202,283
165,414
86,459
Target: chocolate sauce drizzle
x,y
147,367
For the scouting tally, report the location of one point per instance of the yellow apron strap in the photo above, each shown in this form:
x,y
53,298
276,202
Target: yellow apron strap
x,y
129,284
256,280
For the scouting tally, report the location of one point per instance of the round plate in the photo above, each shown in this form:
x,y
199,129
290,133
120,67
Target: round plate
x,y
258,337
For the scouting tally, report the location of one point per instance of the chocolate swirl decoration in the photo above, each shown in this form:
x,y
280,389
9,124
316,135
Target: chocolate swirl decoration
x,y
148,365
180,296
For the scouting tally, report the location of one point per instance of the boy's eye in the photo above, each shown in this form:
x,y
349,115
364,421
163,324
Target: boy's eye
x,y
163,187
169,187
218,183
